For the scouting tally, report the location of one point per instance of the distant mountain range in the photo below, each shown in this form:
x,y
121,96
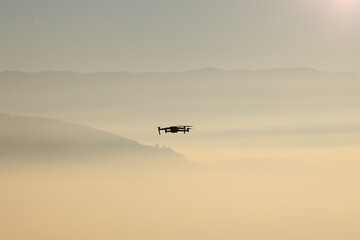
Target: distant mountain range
x,y
48,92
238,108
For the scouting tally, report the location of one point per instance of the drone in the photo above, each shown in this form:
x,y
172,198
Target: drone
x,y
175,129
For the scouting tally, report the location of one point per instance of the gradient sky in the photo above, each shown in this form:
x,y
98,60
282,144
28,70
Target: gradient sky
x,y
167,35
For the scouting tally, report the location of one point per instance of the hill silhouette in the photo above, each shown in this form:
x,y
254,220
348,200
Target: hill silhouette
x,y
25,138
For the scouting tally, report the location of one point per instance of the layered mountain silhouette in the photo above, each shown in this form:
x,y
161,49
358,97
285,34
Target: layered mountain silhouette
x,y
25,137
282,107
49,92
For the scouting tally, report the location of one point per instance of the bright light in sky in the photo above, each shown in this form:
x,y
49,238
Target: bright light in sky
x,y
337,6
346,5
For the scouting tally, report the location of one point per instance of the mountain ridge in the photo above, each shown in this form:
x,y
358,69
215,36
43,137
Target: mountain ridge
x,y
24,136
205,69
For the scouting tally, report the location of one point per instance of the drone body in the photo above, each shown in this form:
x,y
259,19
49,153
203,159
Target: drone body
x,y
175,129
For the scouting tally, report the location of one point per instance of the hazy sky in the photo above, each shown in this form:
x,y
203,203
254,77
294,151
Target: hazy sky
x,y
165,35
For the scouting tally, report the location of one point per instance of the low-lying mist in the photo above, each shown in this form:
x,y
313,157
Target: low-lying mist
x,y
245,199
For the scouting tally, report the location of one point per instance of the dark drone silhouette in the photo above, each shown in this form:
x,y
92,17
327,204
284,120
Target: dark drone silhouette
x,y
175,129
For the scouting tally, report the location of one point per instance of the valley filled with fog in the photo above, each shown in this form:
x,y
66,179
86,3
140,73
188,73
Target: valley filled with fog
x,y
273,155
301,114
264,96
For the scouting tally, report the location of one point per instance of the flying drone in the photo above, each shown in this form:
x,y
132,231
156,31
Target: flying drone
x,y
175,129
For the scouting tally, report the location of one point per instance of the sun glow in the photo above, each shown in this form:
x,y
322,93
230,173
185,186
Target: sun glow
x,y
345,5
336,6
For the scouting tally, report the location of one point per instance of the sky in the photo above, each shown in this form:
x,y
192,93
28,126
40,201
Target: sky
x,y
168,35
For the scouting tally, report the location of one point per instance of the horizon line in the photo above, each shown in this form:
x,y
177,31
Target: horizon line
x,y
181,71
